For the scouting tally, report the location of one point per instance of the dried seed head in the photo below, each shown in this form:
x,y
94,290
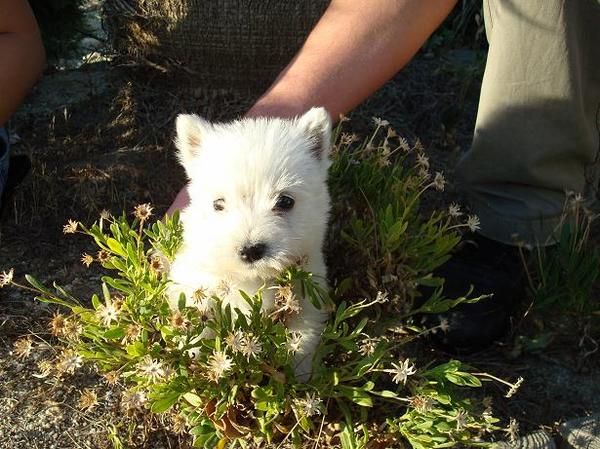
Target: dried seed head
x,y
422,161
111,377
199,294
6,277
178,320
70,227
88,400
156,264
23,347
132,333
133,400
422,403
68,361
72,329
103,256
179,424
86,259
45,367
57,324
105,215
143,211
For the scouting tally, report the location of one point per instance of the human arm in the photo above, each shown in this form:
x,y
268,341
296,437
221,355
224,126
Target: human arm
x,y
356,46
353,50
21,52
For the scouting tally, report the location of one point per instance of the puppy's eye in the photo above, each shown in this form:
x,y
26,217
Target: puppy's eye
x,y
219,204
284,203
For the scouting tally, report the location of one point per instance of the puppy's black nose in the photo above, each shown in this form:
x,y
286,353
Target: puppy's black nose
x,y
252,253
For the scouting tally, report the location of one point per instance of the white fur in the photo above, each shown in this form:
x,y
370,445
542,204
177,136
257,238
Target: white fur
x,y
248,163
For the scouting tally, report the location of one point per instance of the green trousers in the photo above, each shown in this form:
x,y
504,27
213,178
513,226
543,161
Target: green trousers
x,y
538,124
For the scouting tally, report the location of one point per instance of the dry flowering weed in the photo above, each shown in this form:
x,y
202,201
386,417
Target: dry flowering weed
x,y
6,277
88,400
228,378
23,347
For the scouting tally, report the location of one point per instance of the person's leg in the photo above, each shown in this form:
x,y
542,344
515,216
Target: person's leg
x,y
536,137
537,130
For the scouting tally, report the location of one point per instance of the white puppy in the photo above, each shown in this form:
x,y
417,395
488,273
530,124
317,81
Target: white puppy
x,y
258,203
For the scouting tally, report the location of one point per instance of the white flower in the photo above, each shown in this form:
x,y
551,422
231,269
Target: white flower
x,y
513,390
251,347
422,161
380,122
461,419
382,297
70,227
218,363
403,144
439,182
152,369
418,145
108,313
402,371
454,210
473,223
294,342
235,341
310,406
6,277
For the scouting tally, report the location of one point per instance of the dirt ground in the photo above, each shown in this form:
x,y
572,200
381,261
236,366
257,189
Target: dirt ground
x,y
100,137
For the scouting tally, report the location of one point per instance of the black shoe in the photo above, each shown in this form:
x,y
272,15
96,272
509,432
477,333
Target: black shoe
x,y
490,267
18,168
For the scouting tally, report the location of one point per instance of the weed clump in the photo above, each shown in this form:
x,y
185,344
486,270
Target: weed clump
x,y
226,379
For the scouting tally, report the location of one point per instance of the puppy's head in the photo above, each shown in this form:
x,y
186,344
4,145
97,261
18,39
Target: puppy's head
x,y
258,192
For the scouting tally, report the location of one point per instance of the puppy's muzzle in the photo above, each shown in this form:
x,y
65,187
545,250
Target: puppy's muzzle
x,y
252,253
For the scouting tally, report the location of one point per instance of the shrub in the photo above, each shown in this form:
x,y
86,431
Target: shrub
x,y
227,379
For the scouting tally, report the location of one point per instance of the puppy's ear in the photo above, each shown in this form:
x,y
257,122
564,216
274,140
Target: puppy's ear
x,y
316,123
191,130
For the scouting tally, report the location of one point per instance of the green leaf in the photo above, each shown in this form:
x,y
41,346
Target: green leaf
x,y
116,247
137,349
105,292
96,302
37,285
165,402
356,395
193,399
114,333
